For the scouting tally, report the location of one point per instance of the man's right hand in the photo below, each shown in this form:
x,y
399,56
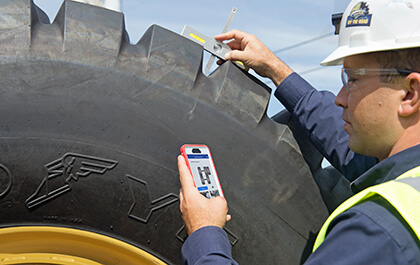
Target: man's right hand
x,y
254,54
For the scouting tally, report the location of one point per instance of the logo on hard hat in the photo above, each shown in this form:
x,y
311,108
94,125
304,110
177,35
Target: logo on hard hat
x,y
359,15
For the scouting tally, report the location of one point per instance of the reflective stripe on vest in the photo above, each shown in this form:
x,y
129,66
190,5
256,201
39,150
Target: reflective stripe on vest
x,y
402,193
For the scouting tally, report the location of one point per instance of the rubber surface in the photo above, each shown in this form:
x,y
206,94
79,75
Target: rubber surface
x,y
90,127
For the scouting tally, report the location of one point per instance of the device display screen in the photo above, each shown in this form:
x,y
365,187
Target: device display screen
x,y
203,171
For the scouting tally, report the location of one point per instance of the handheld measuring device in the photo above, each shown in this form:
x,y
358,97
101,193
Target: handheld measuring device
x,y
211,45
201,166
215,47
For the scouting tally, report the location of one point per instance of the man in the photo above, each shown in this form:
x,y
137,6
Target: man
x,y
374,141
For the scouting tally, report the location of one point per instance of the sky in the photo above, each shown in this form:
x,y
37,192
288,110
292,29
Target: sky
x,y
278,24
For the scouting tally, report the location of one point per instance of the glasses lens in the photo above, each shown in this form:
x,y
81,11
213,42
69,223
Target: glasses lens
x,y
345,78
348,82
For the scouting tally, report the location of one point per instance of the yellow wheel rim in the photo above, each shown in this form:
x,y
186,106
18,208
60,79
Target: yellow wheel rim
x,y
66,246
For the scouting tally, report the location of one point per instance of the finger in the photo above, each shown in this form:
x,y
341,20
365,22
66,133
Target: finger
x,y
234,45
221,201
181,200
181,195
185,177
228,217
233,34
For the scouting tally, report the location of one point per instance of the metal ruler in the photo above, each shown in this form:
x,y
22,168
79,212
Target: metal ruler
x,y
215,47
225,29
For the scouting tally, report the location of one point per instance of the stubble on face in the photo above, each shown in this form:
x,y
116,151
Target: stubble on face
x,y
369,111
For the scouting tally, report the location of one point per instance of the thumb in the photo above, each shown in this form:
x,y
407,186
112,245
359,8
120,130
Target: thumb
x,y
228,217
237,56
185,176
234,55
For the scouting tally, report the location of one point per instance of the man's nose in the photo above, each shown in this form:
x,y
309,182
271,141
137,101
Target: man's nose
x,y
341,98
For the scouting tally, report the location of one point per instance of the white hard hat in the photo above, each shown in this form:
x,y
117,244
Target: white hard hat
x,y
377,25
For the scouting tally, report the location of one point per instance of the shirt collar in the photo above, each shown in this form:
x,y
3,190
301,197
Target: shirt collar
x,y
388,169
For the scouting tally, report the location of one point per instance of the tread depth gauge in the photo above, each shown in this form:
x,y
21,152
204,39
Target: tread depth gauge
x,y
215,47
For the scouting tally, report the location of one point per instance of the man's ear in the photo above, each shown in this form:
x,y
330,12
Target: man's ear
x,y
411,102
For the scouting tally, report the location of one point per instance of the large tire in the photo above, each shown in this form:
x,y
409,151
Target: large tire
x,y
90,127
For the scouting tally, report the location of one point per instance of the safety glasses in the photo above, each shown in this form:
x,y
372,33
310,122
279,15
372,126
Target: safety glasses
x,y
350,76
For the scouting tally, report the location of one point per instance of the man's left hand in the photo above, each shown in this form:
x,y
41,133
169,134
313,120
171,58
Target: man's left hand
x,y
198,211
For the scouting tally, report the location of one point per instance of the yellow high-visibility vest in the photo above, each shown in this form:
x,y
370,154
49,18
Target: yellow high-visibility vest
x,y
403,194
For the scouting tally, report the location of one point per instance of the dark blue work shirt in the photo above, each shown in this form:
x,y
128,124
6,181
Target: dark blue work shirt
x,y
369,233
